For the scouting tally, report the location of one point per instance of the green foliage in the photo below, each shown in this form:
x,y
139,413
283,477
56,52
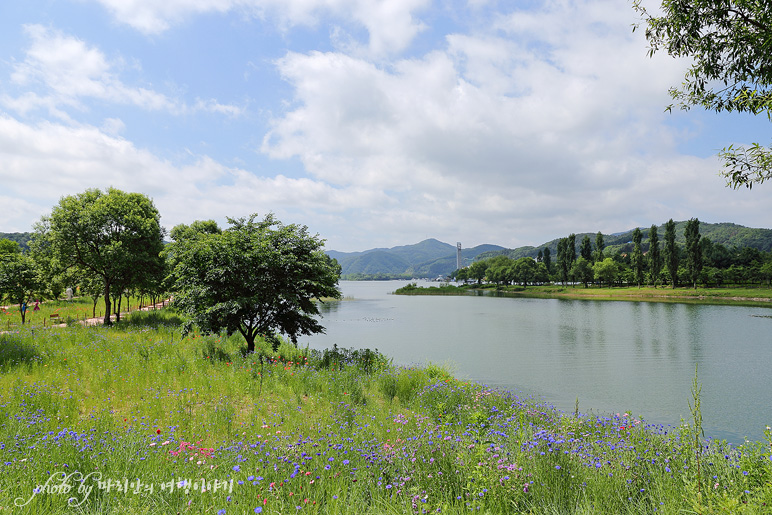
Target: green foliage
x,y
585,250
606,271
654,257
112,235
21,238
583,271
672,257
693,250
728,43
255,278
19,281
600,244
636,260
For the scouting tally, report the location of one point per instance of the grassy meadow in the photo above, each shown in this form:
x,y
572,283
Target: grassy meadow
x,y
134,419
52,312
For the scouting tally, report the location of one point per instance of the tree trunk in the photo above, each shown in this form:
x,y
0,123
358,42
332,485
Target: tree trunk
x,y
249,337
118,308
108,304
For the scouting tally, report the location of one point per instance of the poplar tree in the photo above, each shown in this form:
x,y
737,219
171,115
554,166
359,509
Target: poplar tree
x,y
693,250
671,252
585,250
599,246
636,259
655,258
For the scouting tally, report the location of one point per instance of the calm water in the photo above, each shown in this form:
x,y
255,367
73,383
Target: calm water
x,y
637,357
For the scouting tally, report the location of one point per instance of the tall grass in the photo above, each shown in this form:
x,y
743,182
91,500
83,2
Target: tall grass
x,y
135,419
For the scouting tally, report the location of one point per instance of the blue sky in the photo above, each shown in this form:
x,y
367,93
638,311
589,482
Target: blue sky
x,y
376,123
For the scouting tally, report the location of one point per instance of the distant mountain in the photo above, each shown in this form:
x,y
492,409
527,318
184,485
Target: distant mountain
x,y
429,258
22,238
727,234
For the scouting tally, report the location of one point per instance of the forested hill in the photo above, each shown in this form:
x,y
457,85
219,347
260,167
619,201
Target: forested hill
x,y
22,238
429,258
727,234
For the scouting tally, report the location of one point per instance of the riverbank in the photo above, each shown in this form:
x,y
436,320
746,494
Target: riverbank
x,y
738,296
134,419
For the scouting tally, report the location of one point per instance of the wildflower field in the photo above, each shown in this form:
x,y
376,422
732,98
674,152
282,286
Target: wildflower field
x,y
135,419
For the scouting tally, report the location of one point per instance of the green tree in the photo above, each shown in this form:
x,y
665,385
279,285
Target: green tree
x,y
9,247
113,235
562,260
585,250
548,260
636,259
477,271
19,280
599,246
255,278
606,271
655,258
571,250
729,43
671,252
693,250
582,271
766,272
185,232
499,270
525,270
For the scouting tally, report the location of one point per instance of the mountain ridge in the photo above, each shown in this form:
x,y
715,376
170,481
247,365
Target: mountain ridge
x,y
405,260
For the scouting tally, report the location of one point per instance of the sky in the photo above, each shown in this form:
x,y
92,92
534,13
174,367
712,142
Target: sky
x,y
375,123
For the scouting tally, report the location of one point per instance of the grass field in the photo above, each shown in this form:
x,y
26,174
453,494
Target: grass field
x,y
135,419
52,312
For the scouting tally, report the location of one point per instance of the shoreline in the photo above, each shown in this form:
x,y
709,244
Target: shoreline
x,y
730,296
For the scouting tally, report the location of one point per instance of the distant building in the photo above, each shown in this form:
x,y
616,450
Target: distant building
x,y
458,256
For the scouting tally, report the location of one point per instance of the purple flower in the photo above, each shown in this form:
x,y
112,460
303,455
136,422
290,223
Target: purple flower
x,y
259,510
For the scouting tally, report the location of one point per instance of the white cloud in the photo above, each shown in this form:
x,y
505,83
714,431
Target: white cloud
x,y
68,70
42,162
391,24
555,116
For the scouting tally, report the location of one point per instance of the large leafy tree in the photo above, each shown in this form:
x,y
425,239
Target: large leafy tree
x,y
606,271
655,258
477,271
582,270
112,235
693,250
258,277
671,252
19,279
730,44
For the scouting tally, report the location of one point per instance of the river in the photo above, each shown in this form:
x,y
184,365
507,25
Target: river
x,y
613,356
